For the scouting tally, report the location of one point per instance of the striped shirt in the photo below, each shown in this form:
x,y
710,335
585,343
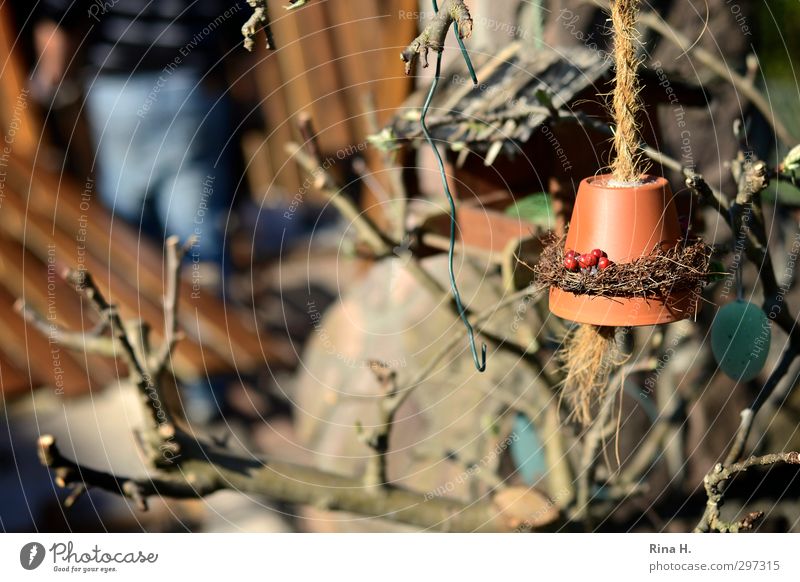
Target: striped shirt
x,y
129,35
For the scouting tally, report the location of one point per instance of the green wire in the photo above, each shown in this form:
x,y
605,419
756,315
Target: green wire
x,y
464,52
480,362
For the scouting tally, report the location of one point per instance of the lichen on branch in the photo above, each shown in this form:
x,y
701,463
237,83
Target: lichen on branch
x,y
433,36
258,20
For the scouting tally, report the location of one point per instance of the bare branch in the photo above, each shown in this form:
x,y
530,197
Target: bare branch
x,y
377,438
433,36
90,343
175,253
778,374
742,83
715,484
258,20
393,396
325,184
207,470
134,353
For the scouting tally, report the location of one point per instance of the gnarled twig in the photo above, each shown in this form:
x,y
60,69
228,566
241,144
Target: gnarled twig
x,y
432,37
715,484
258,20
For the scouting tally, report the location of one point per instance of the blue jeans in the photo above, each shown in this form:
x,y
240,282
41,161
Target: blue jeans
x,y
161,153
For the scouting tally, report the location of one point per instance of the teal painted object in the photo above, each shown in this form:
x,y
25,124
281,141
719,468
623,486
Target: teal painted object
x,y
740,339
527,451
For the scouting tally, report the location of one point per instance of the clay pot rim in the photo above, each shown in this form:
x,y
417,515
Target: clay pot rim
x,y
648,182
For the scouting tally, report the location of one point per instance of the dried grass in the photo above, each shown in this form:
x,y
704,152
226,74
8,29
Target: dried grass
x,y
668,269
588,355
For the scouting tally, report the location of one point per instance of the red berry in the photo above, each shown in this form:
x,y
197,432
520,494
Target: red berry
x,y
570,254
589,259
599,253
581,260
570,264
603,262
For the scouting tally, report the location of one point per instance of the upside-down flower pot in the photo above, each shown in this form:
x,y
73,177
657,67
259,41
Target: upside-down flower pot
x,y
627,223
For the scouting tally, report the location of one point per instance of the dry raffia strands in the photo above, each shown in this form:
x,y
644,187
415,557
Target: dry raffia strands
x,y
588,355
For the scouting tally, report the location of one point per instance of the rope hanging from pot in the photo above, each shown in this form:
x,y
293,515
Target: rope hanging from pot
x,y
591,352
480,361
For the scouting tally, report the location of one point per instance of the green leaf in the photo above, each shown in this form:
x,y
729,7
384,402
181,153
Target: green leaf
x,y
536,208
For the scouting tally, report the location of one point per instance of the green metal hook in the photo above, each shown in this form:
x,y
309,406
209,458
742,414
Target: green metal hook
x,y
480,362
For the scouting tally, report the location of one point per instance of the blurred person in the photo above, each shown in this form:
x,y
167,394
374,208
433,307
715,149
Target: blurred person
x,y
157,109
159,117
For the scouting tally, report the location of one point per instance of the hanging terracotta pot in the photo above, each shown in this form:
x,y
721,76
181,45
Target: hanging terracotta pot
x,y
627,223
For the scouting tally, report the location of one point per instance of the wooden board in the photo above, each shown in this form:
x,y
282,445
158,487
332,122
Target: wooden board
x,y
22,275
44,241
204,318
